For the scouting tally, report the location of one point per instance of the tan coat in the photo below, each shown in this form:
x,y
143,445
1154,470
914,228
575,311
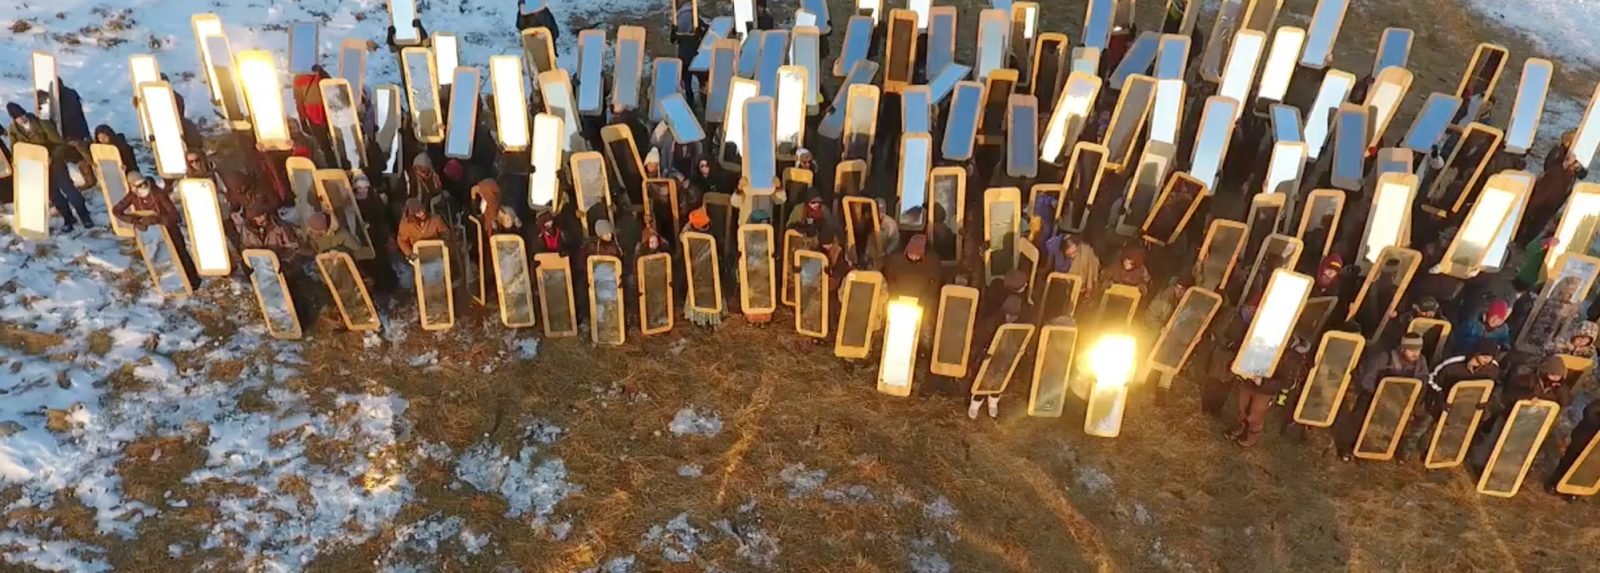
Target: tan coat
x,y
412,230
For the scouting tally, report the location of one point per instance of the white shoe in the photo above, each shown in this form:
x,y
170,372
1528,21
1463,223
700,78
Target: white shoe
x,y
972,410
994,406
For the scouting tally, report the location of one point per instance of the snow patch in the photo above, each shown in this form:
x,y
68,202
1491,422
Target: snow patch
x,y
802,481
688,422
531,487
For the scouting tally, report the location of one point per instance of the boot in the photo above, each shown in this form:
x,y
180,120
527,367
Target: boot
x,y
972,409
994,406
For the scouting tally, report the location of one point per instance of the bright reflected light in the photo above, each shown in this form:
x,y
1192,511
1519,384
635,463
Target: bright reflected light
x,y
166,131
510,102
1390,216
548,138
1241,69
1529,107
902,332
1111,360
1588,138
204,215
1071,111
1578,224
1285,50
445,56
1336,86
265,96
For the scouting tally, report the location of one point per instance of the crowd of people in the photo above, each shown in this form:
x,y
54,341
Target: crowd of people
x,y
417,193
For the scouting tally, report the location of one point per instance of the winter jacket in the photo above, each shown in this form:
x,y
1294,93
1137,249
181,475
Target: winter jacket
x,y
486,200
1375,367
42,133
1475,330
917,279
308,98
134,210
1530,385
74,127
1454,370
274,236
412,231
332,240
541,18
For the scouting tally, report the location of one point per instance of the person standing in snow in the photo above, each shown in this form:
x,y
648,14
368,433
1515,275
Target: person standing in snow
x,y
148,205
67,200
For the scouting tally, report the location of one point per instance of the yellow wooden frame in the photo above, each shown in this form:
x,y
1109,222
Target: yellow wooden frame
x,y
961,97
751,181
466,82
872,279
687,241
1166,194
957,212
1566,486
1412,388
630,46
1213,234
1321,370
1022,33
991,53
176,263
1439,185
554,263
904,179
500,273
31,182
1192,296
1004,77
1310,210
325,262
747,304
323,180
1006,331
1047,94
1517,200
672,202
407,56
786,266
1124,292
1075,283
1059,365
850,204
1551,410
477,234
1580,220
581,191
1479,54
900,341
202,210
948,293
450,294
848,175
1410,259
332,86
1549,291
1024,134
620,316
400,40
899,20
801,257
538,51
1119,153
106,179
862,97
1071,182
991,197
271,258
620,133
1435,460
1260,203
1295,246
1423,325
167,134
1262,312
663,260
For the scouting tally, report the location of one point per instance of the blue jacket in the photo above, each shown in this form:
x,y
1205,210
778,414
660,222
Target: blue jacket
x,y
1475,330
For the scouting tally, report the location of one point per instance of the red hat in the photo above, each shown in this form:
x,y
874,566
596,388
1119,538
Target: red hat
x,y
454,170
1498,309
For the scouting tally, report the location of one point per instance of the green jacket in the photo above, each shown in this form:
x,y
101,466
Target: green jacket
x,y
334,240
43,134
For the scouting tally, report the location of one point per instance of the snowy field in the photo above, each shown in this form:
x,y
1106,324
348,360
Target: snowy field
x,y
98,375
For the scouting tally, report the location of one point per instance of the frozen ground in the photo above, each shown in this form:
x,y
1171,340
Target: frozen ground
x,y
1562,28
93,39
